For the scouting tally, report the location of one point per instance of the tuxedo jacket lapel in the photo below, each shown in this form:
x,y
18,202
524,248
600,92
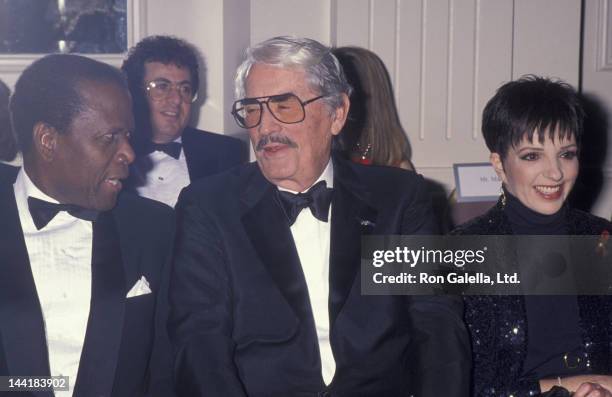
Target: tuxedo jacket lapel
x,y
266,226
269,232
351,218
106,316
22,329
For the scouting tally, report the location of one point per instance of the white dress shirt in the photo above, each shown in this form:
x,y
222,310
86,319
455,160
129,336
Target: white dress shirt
x,y
165,180
312,238
60,260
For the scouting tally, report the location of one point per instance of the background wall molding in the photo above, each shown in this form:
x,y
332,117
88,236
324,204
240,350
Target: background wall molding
x,y
604,36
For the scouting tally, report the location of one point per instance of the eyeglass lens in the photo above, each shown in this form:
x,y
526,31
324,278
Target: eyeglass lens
x,y
161,88
286,108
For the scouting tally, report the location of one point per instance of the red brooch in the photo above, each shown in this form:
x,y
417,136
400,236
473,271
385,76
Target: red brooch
x,y
601,248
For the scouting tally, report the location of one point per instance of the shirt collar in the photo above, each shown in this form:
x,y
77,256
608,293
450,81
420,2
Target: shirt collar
x,y
327,175
159,155
26,188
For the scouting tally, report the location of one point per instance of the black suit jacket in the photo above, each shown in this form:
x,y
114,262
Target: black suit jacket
x,y
8,173
132,240
241,321
206,154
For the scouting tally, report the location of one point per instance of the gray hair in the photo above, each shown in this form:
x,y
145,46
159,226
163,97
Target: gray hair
x,y
323,71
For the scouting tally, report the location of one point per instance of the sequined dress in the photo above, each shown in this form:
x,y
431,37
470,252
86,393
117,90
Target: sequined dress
x,y
498,325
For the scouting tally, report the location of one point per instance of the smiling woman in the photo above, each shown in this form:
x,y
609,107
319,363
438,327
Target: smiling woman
x,y
540,174
533,128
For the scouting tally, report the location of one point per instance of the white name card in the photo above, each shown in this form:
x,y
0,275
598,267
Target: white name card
x,y
476,182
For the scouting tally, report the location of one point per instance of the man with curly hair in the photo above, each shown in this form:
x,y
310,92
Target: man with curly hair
x,y
163,76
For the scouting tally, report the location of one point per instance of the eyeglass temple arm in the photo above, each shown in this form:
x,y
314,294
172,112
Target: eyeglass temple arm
x,y
312,100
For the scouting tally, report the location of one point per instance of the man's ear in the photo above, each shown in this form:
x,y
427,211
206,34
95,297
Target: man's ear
x,y
340,114
498,166
44,140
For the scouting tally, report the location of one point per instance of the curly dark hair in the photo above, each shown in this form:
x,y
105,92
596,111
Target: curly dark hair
x,y
48,91
168,50
528,106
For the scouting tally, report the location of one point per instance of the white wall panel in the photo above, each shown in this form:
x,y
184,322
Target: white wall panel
x,y
547,38
434,64
271,18
409,76
463,43
236,38
382,31
446,58
492,58
352,22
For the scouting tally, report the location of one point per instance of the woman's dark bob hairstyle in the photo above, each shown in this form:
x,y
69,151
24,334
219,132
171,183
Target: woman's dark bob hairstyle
x,y
531,105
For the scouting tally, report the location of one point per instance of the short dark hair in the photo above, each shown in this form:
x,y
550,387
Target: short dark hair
x,y
48,91
168,50
530,105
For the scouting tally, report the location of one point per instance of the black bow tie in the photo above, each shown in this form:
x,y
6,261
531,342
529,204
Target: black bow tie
x,y
317,198
172,149
43,211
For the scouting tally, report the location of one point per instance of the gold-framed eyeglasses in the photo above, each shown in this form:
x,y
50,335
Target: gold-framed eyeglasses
x,y
160,89
286,108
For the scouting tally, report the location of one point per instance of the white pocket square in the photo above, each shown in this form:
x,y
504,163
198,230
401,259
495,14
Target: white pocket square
x,y
140,288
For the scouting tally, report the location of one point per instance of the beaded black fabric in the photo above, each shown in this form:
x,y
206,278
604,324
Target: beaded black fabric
x,y
498,324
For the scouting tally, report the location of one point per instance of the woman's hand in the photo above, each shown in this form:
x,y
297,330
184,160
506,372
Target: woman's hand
x,y
582,385
592,389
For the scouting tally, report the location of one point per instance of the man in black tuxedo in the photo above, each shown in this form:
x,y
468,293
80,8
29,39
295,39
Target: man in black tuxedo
x,y
163,76
82,265
265,293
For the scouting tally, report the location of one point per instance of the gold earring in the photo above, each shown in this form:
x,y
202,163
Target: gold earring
x,y
503,197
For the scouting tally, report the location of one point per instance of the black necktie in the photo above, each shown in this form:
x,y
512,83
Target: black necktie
x,y
317,198
172,149
43,211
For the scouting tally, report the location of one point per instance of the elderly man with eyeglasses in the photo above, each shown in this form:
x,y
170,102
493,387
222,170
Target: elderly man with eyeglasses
x,y
265,294
163,77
